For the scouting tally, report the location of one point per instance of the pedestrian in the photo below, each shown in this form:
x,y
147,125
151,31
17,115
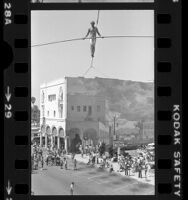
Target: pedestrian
x,y
75,164
82,153
111,168
61,162
139,170
92,31
72,156
47,160
147,168
65,162
126,168
72,188
42,162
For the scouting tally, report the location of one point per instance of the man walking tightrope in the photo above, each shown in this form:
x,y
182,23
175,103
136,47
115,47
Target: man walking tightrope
x,y
93,31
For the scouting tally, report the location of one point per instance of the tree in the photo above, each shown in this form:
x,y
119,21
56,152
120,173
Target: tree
x,y
33,100
35,112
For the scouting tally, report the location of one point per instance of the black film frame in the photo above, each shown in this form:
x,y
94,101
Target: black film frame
x,y
17,83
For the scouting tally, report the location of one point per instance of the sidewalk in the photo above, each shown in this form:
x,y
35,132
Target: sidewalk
x,y
150,179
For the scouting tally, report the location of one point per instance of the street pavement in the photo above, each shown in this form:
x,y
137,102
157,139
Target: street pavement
x,y
88,181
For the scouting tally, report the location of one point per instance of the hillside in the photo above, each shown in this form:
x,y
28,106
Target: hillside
x,y
131,100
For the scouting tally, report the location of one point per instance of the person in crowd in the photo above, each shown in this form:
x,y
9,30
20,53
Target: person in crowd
x,y
75,164
147,169
128,167
35,161
65,163
47,159
125,166
111,168
42,162
61,162
93,160
139,170
82,153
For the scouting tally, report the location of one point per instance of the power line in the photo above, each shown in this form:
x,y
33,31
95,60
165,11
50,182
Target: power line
x,y
98,17
91,65
85,73
77,39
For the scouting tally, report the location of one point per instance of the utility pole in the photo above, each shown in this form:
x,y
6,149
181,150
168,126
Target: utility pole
x,y
114,126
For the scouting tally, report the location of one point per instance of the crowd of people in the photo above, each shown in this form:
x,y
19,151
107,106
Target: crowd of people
x,y
131,165
139,163
50,157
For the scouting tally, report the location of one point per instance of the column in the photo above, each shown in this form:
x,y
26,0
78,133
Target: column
x,y
46,141
58,142
66,143
51,141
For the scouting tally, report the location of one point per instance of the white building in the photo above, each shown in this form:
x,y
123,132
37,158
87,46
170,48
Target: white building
x,y
69,116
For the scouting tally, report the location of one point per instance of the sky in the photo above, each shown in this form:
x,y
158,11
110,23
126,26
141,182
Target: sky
x,y
126,58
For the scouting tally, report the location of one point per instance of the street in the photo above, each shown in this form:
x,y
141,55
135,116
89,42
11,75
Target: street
x,y
88,181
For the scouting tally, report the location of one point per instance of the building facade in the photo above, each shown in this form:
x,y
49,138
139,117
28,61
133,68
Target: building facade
x,y
70,117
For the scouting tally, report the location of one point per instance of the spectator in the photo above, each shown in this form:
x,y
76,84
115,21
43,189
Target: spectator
x,y
61,162
147,169
65,163
126,168
139,170
111,168
42,162
75,164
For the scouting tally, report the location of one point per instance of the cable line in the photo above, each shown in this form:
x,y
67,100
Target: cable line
x,y
91,66
77,39
98,17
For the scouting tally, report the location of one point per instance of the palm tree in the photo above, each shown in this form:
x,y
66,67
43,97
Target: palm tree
x,y
35,112
33,100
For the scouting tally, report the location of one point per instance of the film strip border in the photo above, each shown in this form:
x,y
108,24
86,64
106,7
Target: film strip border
x,y
17,87
17,101
168,92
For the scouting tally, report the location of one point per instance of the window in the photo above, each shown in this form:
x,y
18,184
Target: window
x,y
84,108
90,110
78,108
48,113
52,97
72,107
98,108
54,113
61,111
43,110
